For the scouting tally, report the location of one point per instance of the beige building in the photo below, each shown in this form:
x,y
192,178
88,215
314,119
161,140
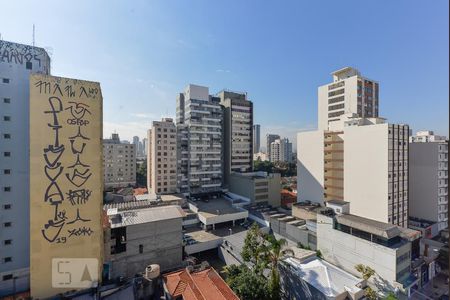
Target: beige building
x,y
119,163
349,92
66,181
257,187
360,160
162,157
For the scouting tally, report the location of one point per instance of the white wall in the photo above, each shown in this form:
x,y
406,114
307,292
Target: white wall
x,y
310,166
366,170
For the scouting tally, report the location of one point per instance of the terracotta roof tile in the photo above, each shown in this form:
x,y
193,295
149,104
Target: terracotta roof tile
x,y
200,285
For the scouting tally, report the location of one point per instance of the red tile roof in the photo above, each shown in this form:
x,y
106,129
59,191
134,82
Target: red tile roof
x,y
198,285
139,191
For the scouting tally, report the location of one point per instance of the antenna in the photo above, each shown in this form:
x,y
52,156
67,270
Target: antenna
x,y
33,34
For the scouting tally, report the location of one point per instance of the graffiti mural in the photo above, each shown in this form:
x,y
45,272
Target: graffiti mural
x,y
65,172
25,55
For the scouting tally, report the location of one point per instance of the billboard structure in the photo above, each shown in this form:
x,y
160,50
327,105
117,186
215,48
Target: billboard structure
x,y
66,185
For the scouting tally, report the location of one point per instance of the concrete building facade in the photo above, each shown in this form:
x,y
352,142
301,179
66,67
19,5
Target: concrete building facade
x,y
428,180
162,157
348,240
139,237
119,163
256,138
347,161
258,187
348,93
17,62
270,138
281,150
237,133
199,142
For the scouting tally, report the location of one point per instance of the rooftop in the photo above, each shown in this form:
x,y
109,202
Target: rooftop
x,y
327,278
385,230
338,202
144,215
215,207
198,285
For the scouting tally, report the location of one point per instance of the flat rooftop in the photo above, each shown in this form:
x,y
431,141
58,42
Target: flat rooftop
x,y
215,207
144,215
382,229
202,236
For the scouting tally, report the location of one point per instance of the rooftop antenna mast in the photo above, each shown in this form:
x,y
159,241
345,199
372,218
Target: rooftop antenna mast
x,y
33,34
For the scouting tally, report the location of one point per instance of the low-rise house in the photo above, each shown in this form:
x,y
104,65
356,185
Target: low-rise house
x,y
196,283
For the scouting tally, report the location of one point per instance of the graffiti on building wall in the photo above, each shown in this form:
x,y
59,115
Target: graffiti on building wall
x,y
19,54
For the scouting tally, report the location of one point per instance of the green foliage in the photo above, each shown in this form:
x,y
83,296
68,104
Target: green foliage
x,y
391,296
286,169
319,253
371,294
365,271
301,246
141,174
247,284
261,251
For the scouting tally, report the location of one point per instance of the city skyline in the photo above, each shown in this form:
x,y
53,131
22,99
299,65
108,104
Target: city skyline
x,y
153,51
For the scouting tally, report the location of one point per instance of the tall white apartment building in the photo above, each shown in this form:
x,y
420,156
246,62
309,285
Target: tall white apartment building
x,y
354,157
270,138
237,133
119,163
162,157
256,138
199,142
281,150
17,62
428,178
348,93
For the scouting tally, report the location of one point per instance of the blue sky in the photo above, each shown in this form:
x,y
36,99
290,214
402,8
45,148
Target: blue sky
x,y
144,52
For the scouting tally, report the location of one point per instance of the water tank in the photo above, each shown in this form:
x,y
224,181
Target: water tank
x,y
152,271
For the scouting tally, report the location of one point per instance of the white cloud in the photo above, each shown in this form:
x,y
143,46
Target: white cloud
x,y
223,71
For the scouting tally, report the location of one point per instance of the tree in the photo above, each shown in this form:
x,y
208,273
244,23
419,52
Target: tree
x,y
252,251
274,251
141,174
391,296
365,271
247,284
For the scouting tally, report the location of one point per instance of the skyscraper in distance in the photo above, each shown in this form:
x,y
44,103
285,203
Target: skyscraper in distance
x,y
256,138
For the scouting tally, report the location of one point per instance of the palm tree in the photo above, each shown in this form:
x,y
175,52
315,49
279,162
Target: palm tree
x,y
275,250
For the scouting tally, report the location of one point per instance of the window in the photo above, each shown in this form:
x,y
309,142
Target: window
x,y
6,171
7,224
7,189
5,80
29,65
7,242
7,259
6,118
7,136
7,277
141,249
7,206
6,100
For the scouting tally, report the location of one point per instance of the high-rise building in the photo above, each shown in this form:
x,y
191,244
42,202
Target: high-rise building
x,y
145,146
16,64
237,133
162,157
136,145
281,150
256,138
270,138
428,178
348,93
199,142
66,181
353,156
119,163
